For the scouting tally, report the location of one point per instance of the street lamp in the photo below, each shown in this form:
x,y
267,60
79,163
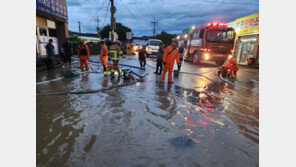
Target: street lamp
x,y
178,37
193,27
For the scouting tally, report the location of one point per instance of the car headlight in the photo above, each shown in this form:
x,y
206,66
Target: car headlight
x,y
207,56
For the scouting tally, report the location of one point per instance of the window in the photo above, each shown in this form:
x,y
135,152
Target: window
x,y
42,32
196,34
52,32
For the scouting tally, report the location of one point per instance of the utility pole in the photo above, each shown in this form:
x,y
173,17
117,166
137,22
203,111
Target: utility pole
x,y
79,27
113,10
154,22
98,28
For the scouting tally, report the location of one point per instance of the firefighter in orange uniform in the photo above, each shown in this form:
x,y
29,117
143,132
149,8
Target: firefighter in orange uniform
x,y
83,54
170,55
230,69
103,55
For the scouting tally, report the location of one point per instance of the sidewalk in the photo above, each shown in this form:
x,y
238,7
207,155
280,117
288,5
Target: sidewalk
x,y
41,66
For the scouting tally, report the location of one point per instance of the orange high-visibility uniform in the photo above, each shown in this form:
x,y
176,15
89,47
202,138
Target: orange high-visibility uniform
x,y
232,66
104,55
83,54
170,61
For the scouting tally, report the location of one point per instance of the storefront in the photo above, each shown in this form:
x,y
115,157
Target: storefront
x,y
246,47
51,23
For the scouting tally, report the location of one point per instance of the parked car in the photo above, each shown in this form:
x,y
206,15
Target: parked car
x,y
152,47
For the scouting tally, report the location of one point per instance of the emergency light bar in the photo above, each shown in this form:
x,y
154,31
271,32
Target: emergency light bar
x,y
216,24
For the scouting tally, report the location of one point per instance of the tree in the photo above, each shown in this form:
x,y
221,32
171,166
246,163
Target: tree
x,y
121,30
75,41
165,37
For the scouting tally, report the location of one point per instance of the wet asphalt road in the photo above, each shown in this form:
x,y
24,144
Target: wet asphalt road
x,y
197,121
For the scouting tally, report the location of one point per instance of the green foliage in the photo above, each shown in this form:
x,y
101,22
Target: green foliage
x,y
165,37
121,30
75,41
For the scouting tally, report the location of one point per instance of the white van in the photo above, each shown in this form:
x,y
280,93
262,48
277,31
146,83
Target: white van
x,y
152,47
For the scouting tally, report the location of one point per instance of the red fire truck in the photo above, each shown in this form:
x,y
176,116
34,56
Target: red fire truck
x,y
211,42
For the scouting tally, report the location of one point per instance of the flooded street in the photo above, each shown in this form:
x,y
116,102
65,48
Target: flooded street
x,y
200,120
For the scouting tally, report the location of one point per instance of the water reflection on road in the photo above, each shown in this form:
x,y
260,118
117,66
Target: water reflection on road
x,y
198,121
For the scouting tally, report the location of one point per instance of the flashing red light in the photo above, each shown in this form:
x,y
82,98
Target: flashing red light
x,y
217,24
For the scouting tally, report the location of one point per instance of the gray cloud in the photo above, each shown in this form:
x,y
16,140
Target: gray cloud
x,y
173,16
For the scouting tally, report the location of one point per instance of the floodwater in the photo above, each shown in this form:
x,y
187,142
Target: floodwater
x,y
197,121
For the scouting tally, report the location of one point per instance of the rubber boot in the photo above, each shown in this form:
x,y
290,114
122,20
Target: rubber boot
x,y
119,71
112,74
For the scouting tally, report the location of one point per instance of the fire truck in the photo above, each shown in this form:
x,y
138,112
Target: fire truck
x,y
211,42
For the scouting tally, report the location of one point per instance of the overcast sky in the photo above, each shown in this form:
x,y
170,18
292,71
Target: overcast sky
x,y
173,16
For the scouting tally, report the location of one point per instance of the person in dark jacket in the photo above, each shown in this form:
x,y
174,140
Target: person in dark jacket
x,y
68,50
159,59
142,57
181,53
50,54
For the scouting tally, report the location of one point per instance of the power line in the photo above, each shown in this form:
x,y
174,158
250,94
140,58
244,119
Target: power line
x,y
100,7
143,14
131,13
144,11
229,3
106,13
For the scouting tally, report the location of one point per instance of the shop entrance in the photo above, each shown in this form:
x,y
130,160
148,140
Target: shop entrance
x,y
247,48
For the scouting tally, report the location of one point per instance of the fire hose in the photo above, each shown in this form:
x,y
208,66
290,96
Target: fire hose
x,y
201,73
97,62
96,90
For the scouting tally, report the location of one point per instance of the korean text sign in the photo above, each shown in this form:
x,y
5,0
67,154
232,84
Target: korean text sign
x,y
247,25
53,7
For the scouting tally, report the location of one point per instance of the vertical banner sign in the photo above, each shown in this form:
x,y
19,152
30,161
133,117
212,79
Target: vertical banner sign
x,y
239,51
53,7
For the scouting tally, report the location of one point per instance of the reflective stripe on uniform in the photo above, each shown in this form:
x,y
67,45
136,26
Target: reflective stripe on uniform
x,y
113,55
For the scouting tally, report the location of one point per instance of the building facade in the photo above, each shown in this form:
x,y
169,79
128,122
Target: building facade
x,y
51,23
246,46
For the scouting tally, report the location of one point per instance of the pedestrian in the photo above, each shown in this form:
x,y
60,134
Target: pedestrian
x,y
114,54
83,54
68,50
181,53
160,53
50,54
170,55
103,55
142,57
